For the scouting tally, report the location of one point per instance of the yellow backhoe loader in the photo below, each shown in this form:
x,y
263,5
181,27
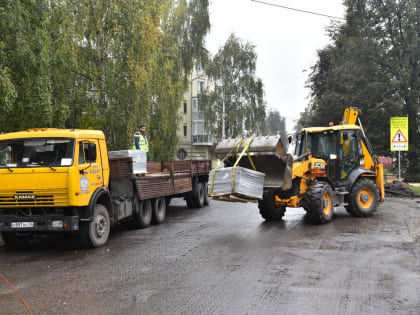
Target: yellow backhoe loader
x,y
331,166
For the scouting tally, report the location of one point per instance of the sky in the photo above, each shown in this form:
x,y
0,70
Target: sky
x,y
286,44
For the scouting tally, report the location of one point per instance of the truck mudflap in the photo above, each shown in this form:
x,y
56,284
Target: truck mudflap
x,y
50,223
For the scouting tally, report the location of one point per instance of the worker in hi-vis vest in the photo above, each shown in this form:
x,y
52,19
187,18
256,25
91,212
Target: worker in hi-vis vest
x,y
140,140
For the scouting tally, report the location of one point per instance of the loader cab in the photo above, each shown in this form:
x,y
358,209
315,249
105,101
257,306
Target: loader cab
x,y
339,148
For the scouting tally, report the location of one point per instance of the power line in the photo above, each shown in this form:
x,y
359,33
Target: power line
x,y
298,10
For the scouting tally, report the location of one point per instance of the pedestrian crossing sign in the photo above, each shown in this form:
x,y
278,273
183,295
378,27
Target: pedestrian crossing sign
x,y
399,133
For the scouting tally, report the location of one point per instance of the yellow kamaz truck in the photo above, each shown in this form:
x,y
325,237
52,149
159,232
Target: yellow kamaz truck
x,y
62,181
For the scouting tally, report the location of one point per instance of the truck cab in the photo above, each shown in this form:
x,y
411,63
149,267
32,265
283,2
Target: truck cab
x,y
50,180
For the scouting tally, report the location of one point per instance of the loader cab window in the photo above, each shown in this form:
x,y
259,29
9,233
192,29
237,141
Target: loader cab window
x,y
322,144
349,152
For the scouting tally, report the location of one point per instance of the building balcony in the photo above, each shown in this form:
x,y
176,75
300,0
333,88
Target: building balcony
x,y
202,140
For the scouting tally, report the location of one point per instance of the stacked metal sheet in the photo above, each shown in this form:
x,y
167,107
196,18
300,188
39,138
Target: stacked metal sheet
x,y
138,157
247,183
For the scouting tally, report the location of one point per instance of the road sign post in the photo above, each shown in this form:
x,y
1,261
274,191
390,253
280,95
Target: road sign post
x,y
399,137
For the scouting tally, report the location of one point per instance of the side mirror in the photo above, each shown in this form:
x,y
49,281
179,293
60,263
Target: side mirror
x,y
333,156
91,152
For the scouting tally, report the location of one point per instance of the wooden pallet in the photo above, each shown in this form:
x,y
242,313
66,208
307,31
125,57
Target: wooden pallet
x,y
234,198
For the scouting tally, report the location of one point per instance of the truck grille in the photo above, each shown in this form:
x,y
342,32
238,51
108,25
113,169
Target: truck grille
x,y
34,198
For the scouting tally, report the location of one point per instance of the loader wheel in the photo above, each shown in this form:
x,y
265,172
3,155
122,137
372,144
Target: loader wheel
x,y
96,232
319,203
268,209
363,199
142,213
159,210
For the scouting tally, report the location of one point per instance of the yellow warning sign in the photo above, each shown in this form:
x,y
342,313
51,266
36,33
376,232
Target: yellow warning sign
x,y
399,133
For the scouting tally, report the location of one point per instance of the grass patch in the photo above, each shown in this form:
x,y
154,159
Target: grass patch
x,y
415,188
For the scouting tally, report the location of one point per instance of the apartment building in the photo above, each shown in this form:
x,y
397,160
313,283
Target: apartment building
x,y
197,142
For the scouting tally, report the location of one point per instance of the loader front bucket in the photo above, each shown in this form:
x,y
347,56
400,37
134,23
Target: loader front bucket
x,y
268,155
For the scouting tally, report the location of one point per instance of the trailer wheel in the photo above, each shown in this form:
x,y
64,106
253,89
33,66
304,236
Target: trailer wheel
x,y
196,198
11,239
363,199
319,203
159,210
268,209
142,213
206,193
96,232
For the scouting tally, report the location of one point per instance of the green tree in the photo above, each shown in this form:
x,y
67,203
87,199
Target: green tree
x,y
276,125
238,96
371,64
25,67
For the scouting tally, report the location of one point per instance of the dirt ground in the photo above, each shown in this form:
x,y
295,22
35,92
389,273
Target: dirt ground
x,y
224,259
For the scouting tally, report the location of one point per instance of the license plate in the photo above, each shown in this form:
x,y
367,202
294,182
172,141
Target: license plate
x,y
18,225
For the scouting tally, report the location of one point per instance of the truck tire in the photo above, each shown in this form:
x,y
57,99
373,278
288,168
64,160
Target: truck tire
x,y
11,239
142,213
319,203
196,198
268,209
363,199
206,193
159,210
96,232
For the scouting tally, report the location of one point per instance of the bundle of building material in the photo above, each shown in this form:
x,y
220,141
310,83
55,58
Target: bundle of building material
x,y
138,157
247,184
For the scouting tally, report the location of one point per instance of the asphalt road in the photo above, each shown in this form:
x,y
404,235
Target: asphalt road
x,y
224,259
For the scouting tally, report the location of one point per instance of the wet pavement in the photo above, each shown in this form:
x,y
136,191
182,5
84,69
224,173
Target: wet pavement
x,y
224,259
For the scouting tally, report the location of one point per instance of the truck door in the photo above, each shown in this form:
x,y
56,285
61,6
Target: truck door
x,y
90,171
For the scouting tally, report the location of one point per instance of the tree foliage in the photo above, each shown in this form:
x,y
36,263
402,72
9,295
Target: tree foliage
x,y
238,95
107,65
373,64
276,125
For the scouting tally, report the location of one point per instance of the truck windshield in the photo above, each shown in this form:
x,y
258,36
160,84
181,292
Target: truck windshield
x,y
36,152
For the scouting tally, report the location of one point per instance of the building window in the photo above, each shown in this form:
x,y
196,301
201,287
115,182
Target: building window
x,y
185,107
200,86
182,154
185,131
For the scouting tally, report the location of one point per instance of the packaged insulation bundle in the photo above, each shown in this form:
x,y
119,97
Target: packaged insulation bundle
x,y
138,157
247,182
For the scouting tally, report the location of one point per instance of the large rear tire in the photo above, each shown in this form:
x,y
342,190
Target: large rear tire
x,y
96,232
268,209
159,210
142,213
363,199
319,203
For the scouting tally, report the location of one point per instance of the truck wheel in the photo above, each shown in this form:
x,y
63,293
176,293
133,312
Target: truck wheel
x,y
268,209
206,193
159,210
142,213
363,199
319,203
11,239
96,232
